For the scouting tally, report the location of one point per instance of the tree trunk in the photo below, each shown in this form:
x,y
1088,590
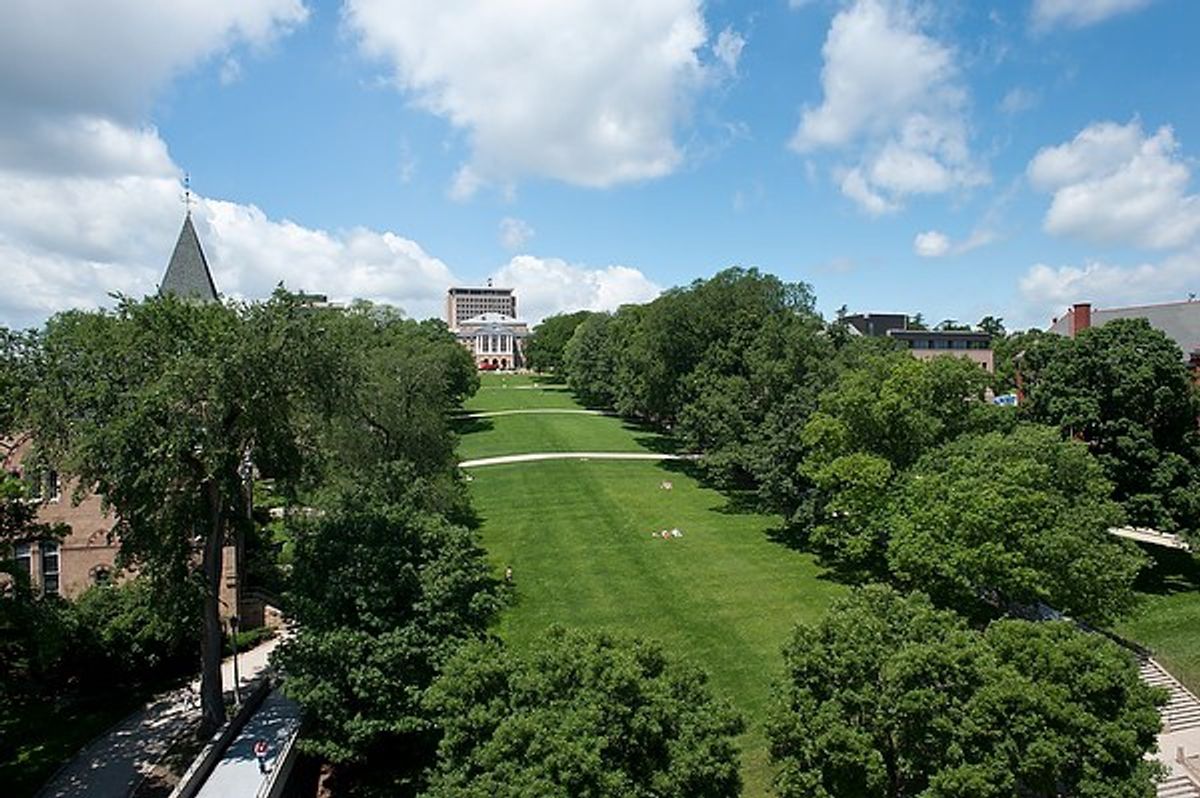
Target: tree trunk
x,y
212,701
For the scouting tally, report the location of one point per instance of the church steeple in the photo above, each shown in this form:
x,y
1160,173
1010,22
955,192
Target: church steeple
x,y
187,274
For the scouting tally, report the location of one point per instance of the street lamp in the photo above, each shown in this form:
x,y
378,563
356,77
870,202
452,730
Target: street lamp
x,y
237,690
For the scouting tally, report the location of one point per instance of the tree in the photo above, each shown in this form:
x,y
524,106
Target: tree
x,y
580,713
382,594
887,697
874,422
590,360
159,407
546,346
1021,517
1124,389
993,326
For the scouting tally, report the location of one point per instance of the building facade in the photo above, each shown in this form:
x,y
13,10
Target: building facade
x,y
973,345
463,303
484,321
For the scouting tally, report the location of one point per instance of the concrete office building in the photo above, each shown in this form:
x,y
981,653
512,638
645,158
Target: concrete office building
x,y
925,344
464,303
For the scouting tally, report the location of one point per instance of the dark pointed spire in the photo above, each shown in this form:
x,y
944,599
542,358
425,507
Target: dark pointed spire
x,y
187,274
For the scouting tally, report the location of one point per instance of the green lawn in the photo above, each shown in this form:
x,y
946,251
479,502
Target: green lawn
x,y
513,391
578,536
547,432
1167,618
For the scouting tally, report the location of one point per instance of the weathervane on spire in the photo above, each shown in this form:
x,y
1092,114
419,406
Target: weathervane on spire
x,y
187,193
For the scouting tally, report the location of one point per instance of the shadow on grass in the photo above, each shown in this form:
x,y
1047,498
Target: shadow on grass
x,y
1170,571
467,426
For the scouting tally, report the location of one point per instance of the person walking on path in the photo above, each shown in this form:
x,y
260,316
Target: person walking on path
x,y
260,753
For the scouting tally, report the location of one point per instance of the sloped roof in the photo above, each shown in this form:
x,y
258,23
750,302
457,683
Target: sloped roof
x,y
187,275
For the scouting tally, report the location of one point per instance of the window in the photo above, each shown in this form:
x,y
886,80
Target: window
x,y
53,489
23,554
49,568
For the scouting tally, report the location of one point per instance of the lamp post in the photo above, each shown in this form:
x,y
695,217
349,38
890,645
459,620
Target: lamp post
x,y
237,690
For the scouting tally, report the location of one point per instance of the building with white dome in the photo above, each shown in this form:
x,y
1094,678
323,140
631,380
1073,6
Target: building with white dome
x,y
496,339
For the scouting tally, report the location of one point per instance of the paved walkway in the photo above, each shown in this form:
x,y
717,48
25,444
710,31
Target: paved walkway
x,y
537,456
237,774
537,411
115,763
1154,537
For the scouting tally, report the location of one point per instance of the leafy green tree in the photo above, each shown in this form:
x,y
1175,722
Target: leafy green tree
x,y
1019,517
590,360
887,697
993,326
159,407
546,346
1123,387
874,422
580,713
382,594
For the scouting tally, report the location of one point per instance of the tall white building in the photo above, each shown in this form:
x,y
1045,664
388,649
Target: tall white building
x,y
484,320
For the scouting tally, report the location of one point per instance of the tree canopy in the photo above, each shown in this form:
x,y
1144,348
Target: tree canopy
x,y
1124,389
160,407
1020,517
546,347
887,697
382,593
580,713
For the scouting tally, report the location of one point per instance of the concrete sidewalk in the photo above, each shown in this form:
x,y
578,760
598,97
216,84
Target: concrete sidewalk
x,y
115,763
539,456
237,774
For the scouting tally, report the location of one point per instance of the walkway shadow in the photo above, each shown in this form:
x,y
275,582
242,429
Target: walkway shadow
x,y
467,426
1170,571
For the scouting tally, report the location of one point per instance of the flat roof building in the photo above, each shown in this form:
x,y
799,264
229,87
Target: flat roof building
x,y
973,345
467,302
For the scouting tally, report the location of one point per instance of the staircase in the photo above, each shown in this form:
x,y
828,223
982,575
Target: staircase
x,y
1177,787
1182,711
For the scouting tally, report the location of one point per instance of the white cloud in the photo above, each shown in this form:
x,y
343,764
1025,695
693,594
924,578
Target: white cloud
x,y
1047,290
931,244
896,94
728,48
575,91
110,58
1114,184
1079,13
514,232
935,244
545,286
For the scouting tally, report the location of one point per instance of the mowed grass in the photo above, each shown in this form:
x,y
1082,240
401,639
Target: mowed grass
x,y
519,391
1167,617
579,536
547,432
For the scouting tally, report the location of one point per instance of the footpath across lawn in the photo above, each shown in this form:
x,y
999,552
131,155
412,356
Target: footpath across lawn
x,y
580,537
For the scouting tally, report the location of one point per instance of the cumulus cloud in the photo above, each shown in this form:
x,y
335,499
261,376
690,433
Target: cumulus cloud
x,y
935,244
545,286
1047,290
574,91
111,58
931,244
894,93
514,233
1048,14
1114,184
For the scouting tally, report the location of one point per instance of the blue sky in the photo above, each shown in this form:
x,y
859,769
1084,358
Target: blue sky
x,y
952,158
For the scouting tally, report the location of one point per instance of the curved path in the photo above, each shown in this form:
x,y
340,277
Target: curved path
x,y
537,411
536,456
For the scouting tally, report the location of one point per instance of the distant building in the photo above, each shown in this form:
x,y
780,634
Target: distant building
x,y
925,344
1179,321
464,303
484,320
